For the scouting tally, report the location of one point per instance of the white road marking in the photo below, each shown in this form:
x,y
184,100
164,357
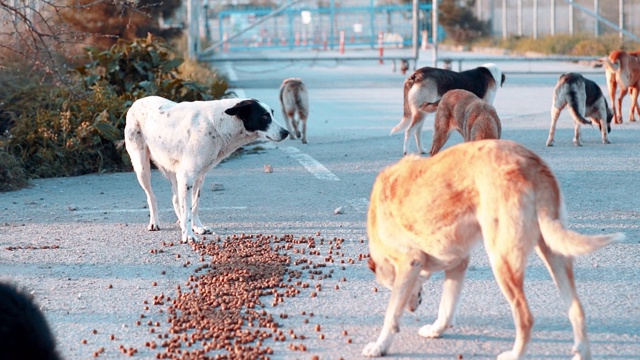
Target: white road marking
x,y
312,165
98,211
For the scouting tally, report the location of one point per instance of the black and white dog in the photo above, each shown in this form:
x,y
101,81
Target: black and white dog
x,y
428,85
185,140
585,99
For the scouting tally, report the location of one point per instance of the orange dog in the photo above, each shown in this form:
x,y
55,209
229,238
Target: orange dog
x,y
474,118
623,68
427,214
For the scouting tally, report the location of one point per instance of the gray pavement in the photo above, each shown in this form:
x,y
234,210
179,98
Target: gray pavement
x,y
104,267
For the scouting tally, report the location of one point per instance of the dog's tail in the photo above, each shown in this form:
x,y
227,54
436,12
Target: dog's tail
x,y
406,110
573,107
611,66
570,243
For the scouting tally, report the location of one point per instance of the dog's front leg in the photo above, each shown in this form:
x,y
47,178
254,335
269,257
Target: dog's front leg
x,y
555,113
198,228
185,197
454,278
404,283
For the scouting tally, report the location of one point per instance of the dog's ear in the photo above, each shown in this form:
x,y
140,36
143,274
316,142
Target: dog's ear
x,y
240,109
372,265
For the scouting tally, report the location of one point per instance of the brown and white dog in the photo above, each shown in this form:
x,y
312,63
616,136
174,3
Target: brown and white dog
x,y
623,68
426,215
428,85
294,99
461,110
185,140
585,99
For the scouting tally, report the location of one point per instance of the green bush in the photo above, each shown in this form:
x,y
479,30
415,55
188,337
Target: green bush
x,y
77,128
12,174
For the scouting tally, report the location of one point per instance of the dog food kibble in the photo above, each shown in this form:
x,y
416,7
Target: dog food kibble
x,y
344,332
223,306
109,286
84,342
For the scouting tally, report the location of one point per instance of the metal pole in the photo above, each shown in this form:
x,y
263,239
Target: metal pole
x,y
535,19
479,9
504,19
519,15
553,17
372,12
414,43
596,7
434,31
571,30
621,18
192,29
332,15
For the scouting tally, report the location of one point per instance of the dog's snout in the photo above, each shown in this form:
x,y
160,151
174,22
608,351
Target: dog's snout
x,y
283,133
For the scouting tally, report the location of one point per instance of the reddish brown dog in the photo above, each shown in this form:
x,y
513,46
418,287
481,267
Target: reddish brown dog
x,y
623,69
461,110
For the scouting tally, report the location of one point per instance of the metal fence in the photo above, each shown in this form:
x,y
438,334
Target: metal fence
x,y
320,28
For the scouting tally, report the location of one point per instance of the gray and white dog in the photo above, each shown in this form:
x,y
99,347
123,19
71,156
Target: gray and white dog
x,y
585,99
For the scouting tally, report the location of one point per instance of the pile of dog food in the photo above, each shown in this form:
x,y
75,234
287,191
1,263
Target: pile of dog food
x,y
221,313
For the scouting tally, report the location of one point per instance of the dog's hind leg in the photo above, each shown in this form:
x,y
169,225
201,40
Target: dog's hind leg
x,y
415,128
198,228
555,113
303,122
634,104
141,161
561,270
618,113
508,244
406,277
454,279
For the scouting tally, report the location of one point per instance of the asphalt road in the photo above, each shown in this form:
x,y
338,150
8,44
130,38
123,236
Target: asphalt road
x,y
103,266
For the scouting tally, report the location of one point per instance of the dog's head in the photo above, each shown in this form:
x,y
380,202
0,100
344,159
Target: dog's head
x,y
495,71
258,118
386,275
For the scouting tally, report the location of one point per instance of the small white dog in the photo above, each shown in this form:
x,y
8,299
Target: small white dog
x,y
295,99
185,140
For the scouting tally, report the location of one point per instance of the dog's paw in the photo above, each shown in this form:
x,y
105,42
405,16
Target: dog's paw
x,y
153,227
550,142
508,355
373,350
581,352
430,331
188,238
201,230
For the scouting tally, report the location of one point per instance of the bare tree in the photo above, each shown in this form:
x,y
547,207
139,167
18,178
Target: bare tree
x,y
47,33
